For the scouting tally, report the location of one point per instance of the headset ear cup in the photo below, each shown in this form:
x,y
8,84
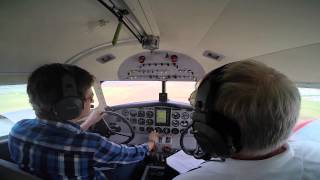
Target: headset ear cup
x,y
68,108
210,140
70,105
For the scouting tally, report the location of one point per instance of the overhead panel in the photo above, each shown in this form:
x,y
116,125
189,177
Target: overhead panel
x,y
160,66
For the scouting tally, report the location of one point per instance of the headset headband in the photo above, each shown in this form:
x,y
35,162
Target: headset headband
x,y
210,83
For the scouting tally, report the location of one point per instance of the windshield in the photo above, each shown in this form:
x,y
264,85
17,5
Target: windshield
x,y
14,104
122,92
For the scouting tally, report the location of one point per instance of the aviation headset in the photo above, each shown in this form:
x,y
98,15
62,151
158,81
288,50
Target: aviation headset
x,y
216,134
71,104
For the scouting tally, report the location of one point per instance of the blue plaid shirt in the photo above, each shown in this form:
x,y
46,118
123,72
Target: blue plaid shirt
x,y
55,150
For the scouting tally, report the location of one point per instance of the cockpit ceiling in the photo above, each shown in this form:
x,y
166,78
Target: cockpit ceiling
x,y
284,34
38,31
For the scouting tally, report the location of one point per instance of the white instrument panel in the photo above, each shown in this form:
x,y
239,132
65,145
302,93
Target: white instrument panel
x,y
164,120
168,119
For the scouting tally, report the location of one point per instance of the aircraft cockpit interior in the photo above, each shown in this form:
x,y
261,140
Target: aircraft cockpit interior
x,y
148,60
131,123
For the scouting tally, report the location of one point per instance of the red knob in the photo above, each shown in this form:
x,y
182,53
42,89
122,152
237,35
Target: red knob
x,y
141,59
174,58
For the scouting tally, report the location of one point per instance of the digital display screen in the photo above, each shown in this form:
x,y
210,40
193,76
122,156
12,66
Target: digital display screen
x,y
162,117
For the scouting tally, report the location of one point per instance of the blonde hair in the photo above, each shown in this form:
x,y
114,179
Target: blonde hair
x,y
264,102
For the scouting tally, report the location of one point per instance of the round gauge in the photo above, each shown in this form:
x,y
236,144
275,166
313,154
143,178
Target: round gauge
x,y
166,130
141,121
133,113
149,121
184,123
149,114
175,123
176,115
141,113
158,130
185,115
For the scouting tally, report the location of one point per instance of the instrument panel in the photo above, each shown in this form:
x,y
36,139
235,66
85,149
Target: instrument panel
x,y
164,120
169,119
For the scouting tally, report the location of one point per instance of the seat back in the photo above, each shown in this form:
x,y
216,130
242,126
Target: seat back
x,y
4,149
10,171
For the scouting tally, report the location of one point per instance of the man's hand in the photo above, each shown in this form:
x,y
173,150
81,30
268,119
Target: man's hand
x,y
153,138
94,117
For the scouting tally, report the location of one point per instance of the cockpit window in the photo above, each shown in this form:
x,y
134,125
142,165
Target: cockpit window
x,y
13,98
180,91
14,106
310,104
122,92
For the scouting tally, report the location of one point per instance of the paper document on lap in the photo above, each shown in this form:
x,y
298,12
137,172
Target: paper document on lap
x,y
183,162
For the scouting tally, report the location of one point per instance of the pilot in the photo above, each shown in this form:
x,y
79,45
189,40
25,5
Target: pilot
x,y
244,114
52,147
